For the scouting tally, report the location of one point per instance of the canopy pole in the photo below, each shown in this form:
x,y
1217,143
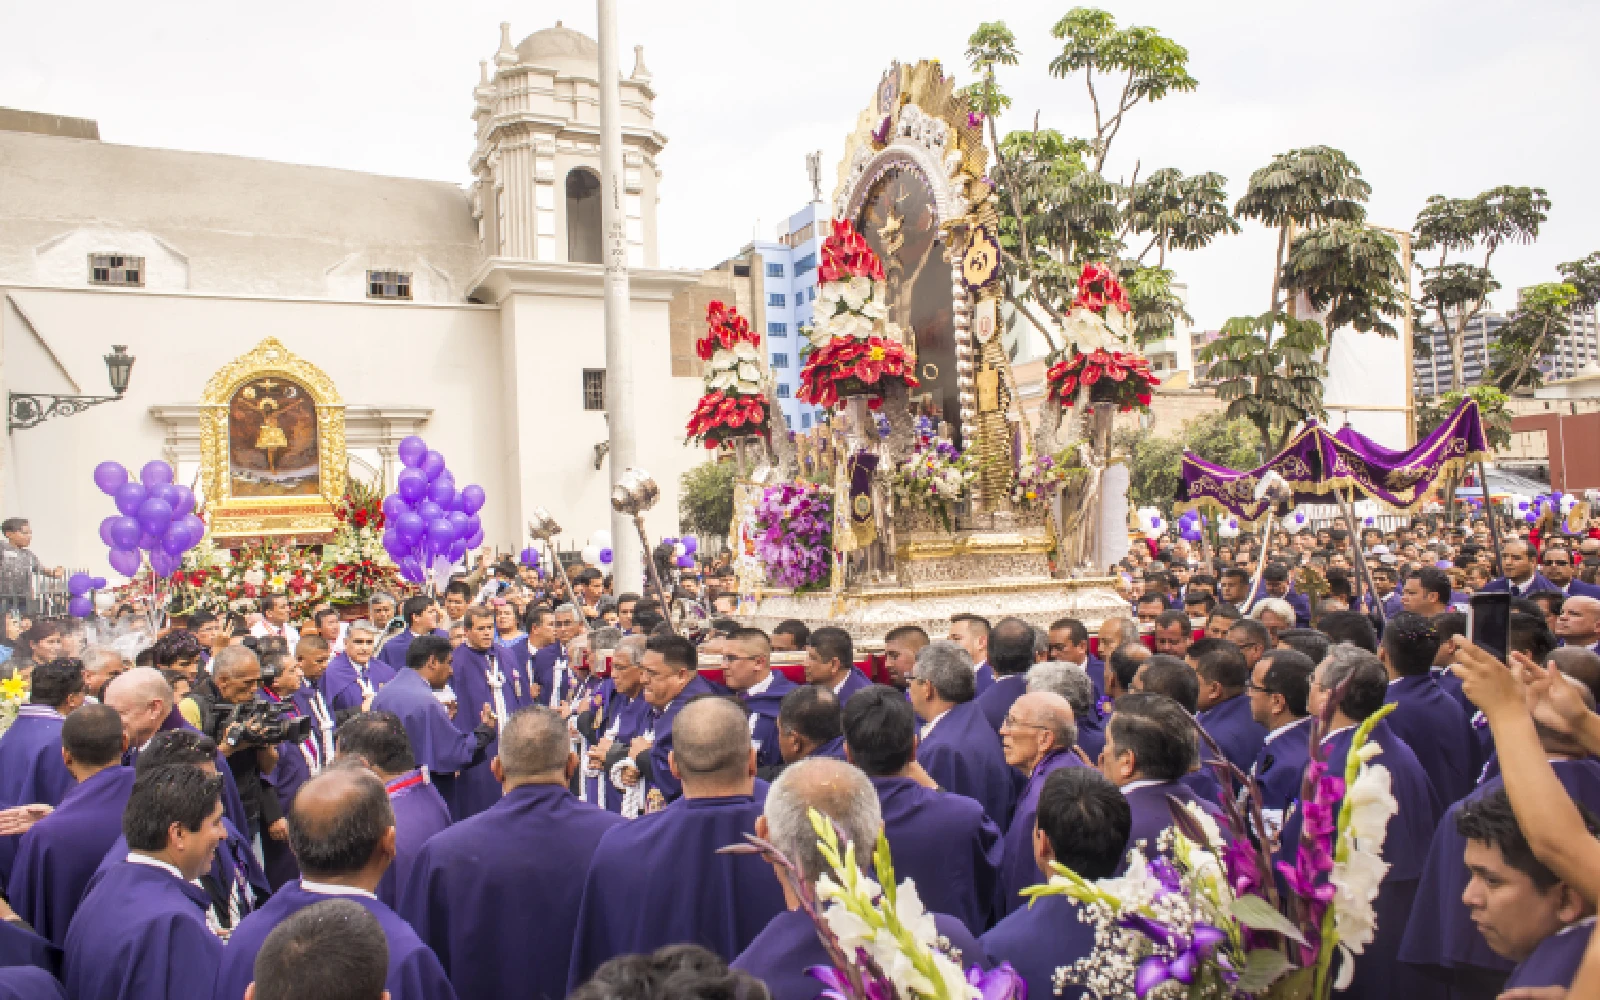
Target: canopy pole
x,y
1261,564
1494,520
1363,571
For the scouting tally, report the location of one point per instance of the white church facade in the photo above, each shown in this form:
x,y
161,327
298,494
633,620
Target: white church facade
x,y
469,315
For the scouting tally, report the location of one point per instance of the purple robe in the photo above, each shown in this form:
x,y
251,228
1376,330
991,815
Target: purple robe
x,y
788,946
553,674
996,702
419,813
341,682
436,743
1538,585
833,748
141,934
232,805
763,709
621,719
660,773
1237,734
393,653
982,677
946,845
854,681
476,789
1091,738
1555,961
19,946
31,769
1441,938
659,880
27,982
496,896
963,755
237,882
1019,870
1436,729
59,855
1039,939
1281,765
1152,812
414,972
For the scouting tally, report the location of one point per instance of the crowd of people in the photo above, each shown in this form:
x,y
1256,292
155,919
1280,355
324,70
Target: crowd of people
x,y
517,789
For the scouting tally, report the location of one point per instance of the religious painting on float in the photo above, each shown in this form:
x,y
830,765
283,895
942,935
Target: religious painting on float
x,y
272,447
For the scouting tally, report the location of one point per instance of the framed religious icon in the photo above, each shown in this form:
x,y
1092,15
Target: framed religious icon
x,y
272,448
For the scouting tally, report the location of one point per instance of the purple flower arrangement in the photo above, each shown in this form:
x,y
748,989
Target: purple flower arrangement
x,y
794,534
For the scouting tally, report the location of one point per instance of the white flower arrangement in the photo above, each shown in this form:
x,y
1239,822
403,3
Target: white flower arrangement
x,y
854,309
736,371
1088,331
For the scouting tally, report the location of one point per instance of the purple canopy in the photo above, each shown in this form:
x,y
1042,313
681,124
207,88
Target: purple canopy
x,y
1316,462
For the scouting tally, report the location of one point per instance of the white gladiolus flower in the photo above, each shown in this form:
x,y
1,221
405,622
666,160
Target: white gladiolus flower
x,y
850,929
1209,825
1371,806
1356,881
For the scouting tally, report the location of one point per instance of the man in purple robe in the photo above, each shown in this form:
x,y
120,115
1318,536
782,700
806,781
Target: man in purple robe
x,y
972,632
809,725
422,618
830,663
1069,643
553,672
1430,721
1039,736
1010,656
20,946
342,829
1150,747
788,945
1071,682
959,749
1379,973
747,671
617,713
1279,687
1224,704
140,933
659,880
482,683
496,896
1522,574
378,742
355,675
1082,823
436,743
942,842
1170,676
334,948
31,769
671,680
60,853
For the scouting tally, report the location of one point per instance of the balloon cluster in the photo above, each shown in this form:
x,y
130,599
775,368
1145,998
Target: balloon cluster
x,y
1151,522
426,518
1189,526
598,551
1228,526
154,515
683,550
78,586
1296,521
1525,507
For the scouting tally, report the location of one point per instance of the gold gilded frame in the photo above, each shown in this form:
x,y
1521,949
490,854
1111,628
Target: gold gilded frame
x,y
259,516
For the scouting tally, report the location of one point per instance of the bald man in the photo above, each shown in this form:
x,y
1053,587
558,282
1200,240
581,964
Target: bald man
x,y
496,896
1578,625
658,880
1039,736
342,830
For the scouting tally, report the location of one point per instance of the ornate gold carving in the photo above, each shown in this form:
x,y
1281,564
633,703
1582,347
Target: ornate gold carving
x,y
290,515
985,544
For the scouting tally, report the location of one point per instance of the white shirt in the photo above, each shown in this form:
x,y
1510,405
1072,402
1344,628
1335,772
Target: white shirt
x,y
145,859
289,632
1142,783
761,688
324,889
1284,728
928,728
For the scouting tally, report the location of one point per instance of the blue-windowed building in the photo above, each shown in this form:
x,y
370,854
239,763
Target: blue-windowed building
x,y
789,273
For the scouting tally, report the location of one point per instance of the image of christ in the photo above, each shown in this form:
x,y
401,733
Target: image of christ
x,y
272,440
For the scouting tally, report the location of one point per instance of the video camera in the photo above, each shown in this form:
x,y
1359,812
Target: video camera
x,y
258,723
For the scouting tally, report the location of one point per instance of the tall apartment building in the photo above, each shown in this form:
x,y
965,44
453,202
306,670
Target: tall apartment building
x,y
789,270
1564,356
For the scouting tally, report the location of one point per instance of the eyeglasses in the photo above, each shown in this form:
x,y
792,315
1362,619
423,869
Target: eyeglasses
x,y
1253,686
1011,723
1558,562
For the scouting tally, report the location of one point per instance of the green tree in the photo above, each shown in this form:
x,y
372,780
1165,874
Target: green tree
x,y
1542,310
1275,384
705,500
1350,272
1457,291
1184,213
1155,463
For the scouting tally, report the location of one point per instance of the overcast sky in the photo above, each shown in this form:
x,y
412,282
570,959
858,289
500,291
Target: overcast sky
x,y
1427,97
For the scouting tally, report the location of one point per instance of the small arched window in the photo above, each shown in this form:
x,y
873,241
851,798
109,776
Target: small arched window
x,y
583,217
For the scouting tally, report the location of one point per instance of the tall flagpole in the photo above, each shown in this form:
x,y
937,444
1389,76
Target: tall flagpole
x,y
627,564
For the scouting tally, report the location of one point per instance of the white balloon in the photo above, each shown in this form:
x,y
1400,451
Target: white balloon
x,y
591,554
679,550
1228,526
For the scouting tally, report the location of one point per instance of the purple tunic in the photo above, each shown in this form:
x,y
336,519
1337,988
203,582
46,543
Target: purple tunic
x,y
1091,738
1436,729
983,678
419,813
141,934
853,682
1039,939
27,982
763,709
963,755
235,873
341,682
414,972
659,880
661,723
552,673
1152,813
1237,734
31,769
1555,961
436,743
496,896
232,805
60,853
946,845
621,718
475,789
998,699
1019,870
1281,765
23,947
788,946
393,653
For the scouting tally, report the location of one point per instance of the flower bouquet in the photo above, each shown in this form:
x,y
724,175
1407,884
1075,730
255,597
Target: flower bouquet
x,y
1098,357
853,349
1041,477
1202,915
734,404
258,569
13,694
935,478
794,534
355,559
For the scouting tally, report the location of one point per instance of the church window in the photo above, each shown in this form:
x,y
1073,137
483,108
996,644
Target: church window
x,y
594,388
583,217
777,329
115,269
774,270
777,300
388,284
780,361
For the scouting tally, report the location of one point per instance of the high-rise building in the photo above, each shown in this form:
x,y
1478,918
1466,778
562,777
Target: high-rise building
x,y
788,266
1564,356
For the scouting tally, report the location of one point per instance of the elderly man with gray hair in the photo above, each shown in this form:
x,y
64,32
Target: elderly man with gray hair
x,y
613,716
959,749
355,674
781,953
1072,682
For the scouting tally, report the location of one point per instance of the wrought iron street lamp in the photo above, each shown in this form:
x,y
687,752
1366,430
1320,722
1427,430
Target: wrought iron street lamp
x,y
30,409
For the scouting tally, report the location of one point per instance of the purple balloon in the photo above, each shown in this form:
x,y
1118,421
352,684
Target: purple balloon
x,y
124,533
411,569
458,548
184,504
442,492
395,545
432,466
410,527
162,563
170,493
110,476
154,515
105,529
79,584
458,522
197,528
155,473
412,451
176,541
429,511
686,562
605,557
148,541
690,544
125,561
474,524
472,499
412,485
394,505
80,607
441,533
476,539
99,583
130,496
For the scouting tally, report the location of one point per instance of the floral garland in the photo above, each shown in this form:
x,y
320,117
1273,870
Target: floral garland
x,y
257,569
1098,356
1040,478
734,404
853,349
935,478
794,534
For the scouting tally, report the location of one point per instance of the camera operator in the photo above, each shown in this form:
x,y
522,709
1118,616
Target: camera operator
x,y
248,745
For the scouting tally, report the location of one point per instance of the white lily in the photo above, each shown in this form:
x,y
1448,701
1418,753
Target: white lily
x,y
1371,806
857,291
